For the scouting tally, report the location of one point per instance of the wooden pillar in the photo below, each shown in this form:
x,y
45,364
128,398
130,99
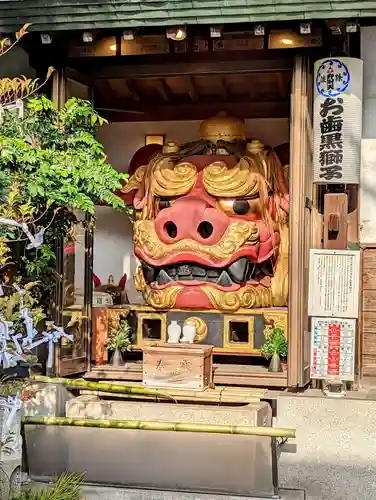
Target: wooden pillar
x,y
300,234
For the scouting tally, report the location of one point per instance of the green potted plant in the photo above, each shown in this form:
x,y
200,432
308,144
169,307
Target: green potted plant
x,y
120,341
275,347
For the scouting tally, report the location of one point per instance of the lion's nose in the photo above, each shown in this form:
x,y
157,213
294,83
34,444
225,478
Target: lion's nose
x,y
191,219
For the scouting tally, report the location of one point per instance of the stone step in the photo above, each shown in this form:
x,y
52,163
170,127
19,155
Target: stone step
x,y
90,406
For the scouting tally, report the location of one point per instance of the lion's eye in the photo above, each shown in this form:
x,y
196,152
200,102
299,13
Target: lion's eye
x,y
162,204
241,207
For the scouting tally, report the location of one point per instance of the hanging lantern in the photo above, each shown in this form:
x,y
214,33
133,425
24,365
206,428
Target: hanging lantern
x,y
337,122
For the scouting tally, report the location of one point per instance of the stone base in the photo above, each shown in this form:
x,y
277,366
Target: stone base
x,y
254,414
180,461
46,400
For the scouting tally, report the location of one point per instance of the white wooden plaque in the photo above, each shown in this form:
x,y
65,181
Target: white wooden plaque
x,y
334,277
333,348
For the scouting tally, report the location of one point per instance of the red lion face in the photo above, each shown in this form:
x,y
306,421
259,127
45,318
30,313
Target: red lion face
x,y
211,231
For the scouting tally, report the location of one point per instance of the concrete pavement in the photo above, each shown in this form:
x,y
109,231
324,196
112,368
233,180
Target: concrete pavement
x,y
335,457
95,493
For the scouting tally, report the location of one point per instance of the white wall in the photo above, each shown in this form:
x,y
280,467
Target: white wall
x,y
368,168
123,139
113,252
368,54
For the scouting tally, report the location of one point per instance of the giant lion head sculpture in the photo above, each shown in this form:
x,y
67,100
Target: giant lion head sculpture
x,y
211,230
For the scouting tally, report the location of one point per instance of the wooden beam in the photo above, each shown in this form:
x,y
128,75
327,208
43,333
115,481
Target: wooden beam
x,y
77,76
196,111
132,87
189,68
192,89
223,88
118,86
281,85
163,90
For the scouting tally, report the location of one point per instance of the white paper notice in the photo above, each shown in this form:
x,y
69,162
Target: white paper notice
x,y
334,283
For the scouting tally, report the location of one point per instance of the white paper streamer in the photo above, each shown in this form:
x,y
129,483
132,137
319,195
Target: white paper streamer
x,y
35,241
5,328
10,405
9,358
30,330
6,357
16,343
51,337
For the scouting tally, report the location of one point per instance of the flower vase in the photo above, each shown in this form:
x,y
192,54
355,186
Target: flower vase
x,y
174,332
117,360
275,365
10,445
189,334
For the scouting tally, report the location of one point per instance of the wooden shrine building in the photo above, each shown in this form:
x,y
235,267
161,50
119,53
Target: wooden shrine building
x,y
155,70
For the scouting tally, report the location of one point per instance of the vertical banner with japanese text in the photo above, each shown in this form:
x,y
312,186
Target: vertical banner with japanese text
x,y
337,120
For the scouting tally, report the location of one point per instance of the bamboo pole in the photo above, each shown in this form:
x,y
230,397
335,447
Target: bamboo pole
x,y
188,396
243,430
100,386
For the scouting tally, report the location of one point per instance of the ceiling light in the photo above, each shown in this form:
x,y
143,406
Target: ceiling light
x,y
154,139
113,47
178,33
351,27
305,28
260,30
215,31
87,37
287,41
45,38
128,35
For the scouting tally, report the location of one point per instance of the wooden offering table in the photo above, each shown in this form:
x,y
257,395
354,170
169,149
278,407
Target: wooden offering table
x,y
183,366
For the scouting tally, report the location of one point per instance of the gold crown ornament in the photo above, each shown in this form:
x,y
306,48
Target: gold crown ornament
x,y
222,128
171,147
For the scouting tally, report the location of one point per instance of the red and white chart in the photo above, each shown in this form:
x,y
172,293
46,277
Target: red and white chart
x,y
333,348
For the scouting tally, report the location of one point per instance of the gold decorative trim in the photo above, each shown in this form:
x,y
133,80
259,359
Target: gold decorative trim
x,y
238,181
135,181
236,236
141,342
171,179
247,297
114,314
113,319
256,311
276,319
238,346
